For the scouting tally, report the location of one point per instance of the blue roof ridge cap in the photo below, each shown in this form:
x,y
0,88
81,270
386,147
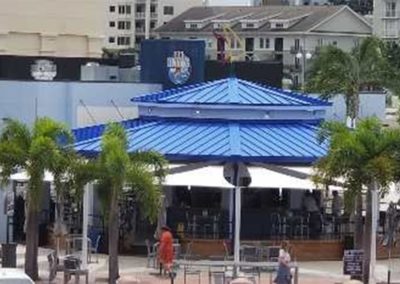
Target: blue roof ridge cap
x,y
294,95
233,90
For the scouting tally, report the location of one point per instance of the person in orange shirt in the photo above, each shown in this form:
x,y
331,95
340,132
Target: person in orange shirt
x,y
166,251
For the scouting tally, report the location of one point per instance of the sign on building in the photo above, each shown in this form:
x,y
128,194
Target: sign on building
x,y
172,63
353,262
44,69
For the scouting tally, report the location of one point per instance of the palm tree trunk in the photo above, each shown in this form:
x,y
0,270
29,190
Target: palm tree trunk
x,y
113,238
358,228
32,242
367,237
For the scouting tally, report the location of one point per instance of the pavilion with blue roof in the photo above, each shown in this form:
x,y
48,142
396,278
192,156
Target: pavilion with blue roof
x,y
201,127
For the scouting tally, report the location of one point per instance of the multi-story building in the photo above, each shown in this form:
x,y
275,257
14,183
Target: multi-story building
x,y
293,34
131,21
66,28
386,19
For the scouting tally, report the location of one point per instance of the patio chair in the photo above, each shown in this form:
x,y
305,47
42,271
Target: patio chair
x,y
151,255
94,243
54,265
72,268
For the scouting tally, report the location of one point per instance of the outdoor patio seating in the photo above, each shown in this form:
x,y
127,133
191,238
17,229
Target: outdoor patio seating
x,y
74,244
72,268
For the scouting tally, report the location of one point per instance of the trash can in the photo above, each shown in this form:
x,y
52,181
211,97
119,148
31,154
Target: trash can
x,y
9,255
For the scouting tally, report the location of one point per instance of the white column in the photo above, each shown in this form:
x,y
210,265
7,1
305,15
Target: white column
x,y
147,18
238,206
375,217
85,226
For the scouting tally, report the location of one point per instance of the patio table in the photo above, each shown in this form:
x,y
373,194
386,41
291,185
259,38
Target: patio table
x,y
218,263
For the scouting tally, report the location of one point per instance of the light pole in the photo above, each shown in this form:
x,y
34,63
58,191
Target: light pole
x,y
305,56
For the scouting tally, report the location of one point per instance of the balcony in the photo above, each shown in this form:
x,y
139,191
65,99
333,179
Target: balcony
x,y
296,49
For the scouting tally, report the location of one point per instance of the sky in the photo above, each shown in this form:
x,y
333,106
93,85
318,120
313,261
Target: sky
x,y
228,2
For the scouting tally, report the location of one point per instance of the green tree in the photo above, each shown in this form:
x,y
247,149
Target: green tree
x,y
36,151
118,171
335,72
366,157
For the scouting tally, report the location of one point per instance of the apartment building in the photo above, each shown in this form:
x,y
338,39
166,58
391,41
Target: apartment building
x,y
292,34
386,19
64,28
131,21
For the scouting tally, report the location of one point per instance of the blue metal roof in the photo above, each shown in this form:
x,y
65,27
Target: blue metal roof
x,y
231,91
272,142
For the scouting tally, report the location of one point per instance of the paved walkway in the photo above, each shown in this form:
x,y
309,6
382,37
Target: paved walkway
x,y
133,270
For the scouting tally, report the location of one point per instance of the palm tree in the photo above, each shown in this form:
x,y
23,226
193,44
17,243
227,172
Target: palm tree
x,y
118,171
365,157
34,150
336,72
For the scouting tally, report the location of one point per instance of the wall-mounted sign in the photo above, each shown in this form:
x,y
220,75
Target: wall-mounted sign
x,y
179,68
353,262
43,69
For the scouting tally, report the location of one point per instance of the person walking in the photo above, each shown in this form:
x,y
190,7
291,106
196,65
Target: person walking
x,y
283,275
166,251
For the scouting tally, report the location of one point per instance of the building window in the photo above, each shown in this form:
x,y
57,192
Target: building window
x,y
278,25
112,9
297,44
111,39
152,9
334,43
250,25
390,9
168,10
193,26
112,24
152,25
124,9
390,29
124,40
263,43
124,25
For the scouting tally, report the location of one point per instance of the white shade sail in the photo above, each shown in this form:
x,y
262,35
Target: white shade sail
x,y
208,176
24,177
212,176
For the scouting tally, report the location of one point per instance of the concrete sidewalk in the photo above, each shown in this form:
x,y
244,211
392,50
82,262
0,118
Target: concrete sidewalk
x,y
133,269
